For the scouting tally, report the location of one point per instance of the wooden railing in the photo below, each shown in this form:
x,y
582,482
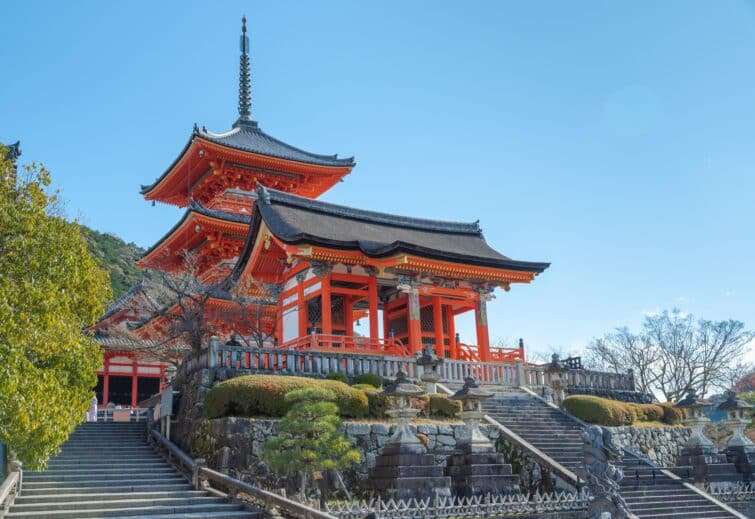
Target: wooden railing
x,y
485,372
202,478
317,363
470,352
10,487
349,344
126,414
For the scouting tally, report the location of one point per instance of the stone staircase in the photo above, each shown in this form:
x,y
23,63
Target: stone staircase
x,y
649,493
109,470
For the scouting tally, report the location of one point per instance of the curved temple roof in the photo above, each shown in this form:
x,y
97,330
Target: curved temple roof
x,y
293,219
247,136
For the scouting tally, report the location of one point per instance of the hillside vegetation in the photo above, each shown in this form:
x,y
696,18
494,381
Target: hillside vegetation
x,y
117,256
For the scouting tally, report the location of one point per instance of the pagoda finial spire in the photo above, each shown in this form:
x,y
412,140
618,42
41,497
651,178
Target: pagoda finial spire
x,y
245,80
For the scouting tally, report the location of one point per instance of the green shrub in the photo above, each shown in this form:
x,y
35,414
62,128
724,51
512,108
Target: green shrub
x,y
671,415
646,412
377,403
600,411
337,375
363,387
264,395
371,379
440,406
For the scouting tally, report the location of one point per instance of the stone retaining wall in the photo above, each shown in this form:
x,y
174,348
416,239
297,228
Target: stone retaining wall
x,y
661,444
234,445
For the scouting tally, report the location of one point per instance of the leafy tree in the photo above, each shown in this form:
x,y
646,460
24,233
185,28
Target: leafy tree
x,y
674,353
50,290
117,256
308,439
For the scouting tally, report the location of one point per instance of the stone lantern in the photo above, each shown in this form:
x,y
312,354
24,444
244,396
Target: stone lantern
x,y
477,469
471,397
555,370
699,452
695,419
430,363
738,416
400,391
170,373
404,469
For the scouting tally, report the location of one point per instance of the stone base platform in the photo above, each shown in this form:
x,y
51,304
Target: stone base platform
x,y
401,472
475,474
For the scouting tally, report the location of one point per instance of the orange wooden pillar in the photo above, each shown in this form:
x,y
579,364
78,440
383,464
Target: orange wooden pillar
x,y
348,315
415,328
372,300
326,306
106,382
440,346
483,339
452,346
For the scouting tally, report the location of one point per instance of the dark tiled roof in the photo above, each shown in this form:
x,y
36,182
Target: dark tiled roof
x,y
196,207
295,219
247,136
120,303
221,215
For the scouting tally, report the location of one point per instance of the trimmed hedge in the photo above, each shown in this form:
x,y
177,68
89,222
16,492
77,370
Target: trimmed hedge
x,y
601,411
264,395
337,375
440,406
377,403
671,415
371,379
646,412
593,409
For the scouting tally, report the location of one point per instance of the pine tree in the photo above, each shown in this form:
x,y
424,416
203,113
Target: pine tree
x,y
308,439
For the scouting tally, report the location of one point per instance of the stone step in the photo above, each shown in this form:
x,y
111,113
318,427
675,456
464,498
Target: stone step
x,y
130,511
116,488
101,482
119,503
106,496
86,473
95,462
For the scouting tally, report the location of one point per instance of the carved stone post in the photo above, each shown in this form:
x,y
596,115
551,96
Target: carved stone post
x,y
601,476
404,469
212,360
556,374
430,364
479,469
699,452
739,449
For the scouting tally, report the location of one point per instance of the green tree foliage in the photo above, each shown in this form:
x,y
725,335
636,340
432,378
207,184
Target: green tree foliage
x,y
308,439
50,290
117,256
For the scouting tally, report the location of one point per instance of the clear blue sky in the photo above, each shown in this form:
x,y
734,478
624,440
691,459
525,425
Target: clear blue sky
x,y
613,139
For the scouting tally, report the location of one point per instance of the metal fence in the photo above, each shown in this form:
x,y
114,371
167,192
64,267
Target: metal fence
x,y
489,505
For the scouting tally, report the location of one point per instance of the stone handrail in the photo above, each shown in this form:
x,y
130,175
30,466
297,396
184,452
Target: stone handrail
x,y
10,487
202,476
260,497
311,362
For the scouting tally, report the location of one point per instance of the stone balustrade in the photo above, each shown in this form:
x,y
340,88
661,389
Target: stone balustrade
x,y
314,363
